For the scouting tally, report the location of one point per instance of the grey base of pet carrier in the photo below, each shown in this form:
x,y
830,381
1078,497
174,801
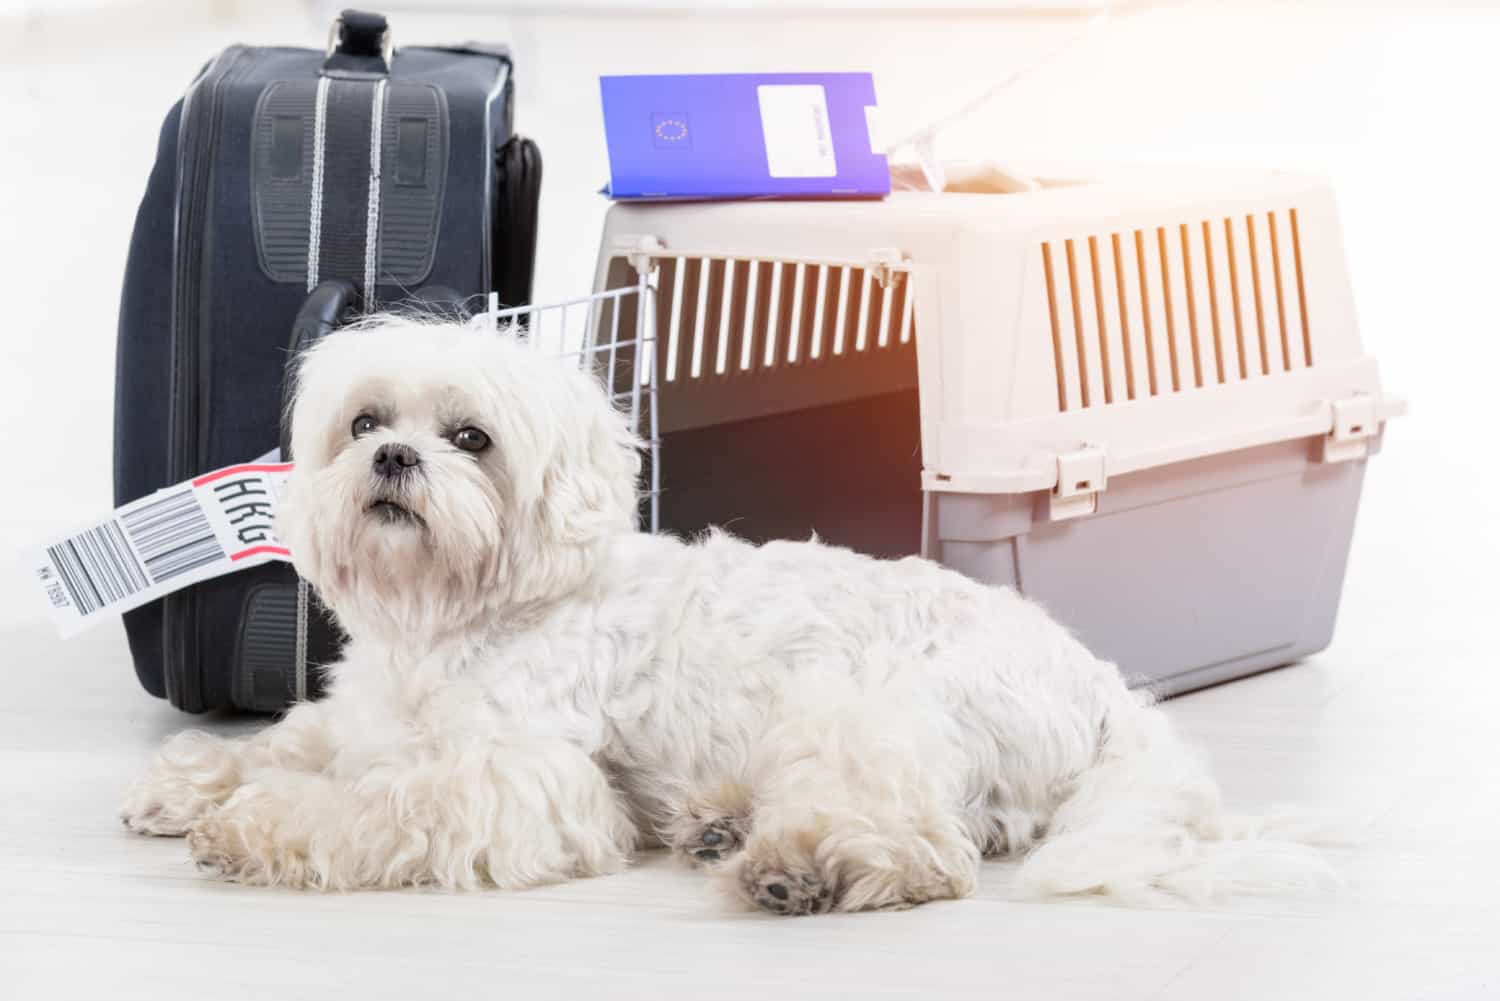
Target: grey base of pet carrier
x,y
1187,575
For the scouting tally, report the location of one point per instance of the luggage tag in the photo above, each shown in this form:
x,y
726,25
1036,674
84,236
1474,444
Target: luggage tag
x,y
214,524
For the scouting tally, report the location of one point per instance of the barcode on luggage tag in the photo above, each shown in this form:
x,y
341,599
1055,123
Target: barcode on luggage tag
x,y
173,535
97,568
212,525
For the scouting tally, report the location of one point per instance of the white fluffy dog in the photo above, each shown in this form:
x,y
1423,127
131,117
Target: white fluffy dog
x,y
533,690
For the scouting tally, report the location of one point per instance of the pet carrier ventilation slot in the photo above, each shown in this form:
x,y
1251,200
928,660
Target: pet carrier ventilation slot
x,y
1138,397
1171,308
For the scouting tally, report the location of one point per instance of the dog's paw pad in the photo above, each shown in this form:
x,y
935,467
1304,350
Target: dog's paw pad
x,y
787,893
715,841
144,814
209,847
216,866
141,821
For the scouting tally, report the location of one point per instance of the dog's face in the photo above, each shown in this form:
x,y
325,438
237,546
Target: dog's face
x,y
445,474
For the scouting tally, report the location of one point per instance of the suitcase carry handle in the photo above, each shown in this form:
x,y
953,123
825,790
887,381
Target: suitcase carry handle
x,y
359,41
319,316
315,639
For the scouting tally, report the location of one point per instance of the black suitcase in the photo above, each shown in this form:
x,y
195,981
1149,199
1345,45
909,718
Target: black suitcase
x,y
389,173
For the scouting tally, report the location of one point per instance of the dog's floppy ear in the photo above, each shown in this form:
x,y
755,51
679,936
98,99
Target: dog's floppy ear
x,y
573,491
589,489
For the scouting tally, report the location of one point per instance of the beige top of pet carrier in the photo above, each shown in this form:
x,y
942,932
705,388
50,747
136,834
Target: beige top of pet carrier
x,y
1114,320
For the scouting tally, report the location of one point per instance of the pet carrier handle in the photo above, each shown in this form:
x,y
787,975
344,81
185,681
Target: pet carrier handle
x,y
359,42
319,316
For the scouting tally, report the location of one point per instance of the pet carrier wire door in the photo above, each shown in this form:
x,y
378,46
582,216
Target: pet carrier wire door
x,y
612,334
1137,395
747,346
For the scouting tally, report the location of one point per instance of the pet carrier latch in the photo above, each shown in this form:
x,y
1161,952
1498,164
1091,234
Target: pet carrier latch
x,y
1080,478
885,265
1354,424
640,252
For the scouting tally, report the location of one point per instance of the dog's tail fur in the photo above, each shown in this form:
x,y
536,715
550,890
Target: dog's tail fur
x,y
1146,823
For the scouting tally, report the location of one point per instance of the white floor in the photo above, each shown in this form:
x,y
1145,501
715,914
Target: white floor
x,y
1395,723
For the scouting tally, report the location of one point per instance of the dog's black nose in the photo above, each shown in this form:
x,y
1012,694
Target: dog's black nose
x,y
391,461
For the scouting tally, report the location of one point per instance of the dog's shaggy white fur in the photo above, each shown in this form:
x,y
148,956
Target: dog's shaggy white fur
x,y
533,690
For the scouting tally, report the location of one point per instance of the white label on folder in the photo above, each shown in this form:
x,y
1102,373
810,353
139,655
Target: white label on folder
x,y
794,118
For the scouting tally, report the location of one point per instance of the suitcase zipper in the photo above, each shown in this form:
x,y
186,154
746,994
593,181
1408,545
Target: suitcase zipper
x,y
198,143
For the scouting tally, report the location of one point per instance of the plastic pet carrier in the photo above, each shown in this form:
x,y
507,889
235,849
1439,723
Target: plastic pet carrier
x,y
1136,395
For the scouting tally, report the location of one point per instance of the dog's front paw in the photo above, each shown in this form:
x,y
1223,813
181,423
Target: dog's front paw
x,y
192,774
254,838
218,848
149,808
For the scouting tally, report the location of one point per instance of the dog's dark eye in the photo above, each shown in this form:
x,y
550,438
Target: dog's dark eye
x,y
363,424
471,440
